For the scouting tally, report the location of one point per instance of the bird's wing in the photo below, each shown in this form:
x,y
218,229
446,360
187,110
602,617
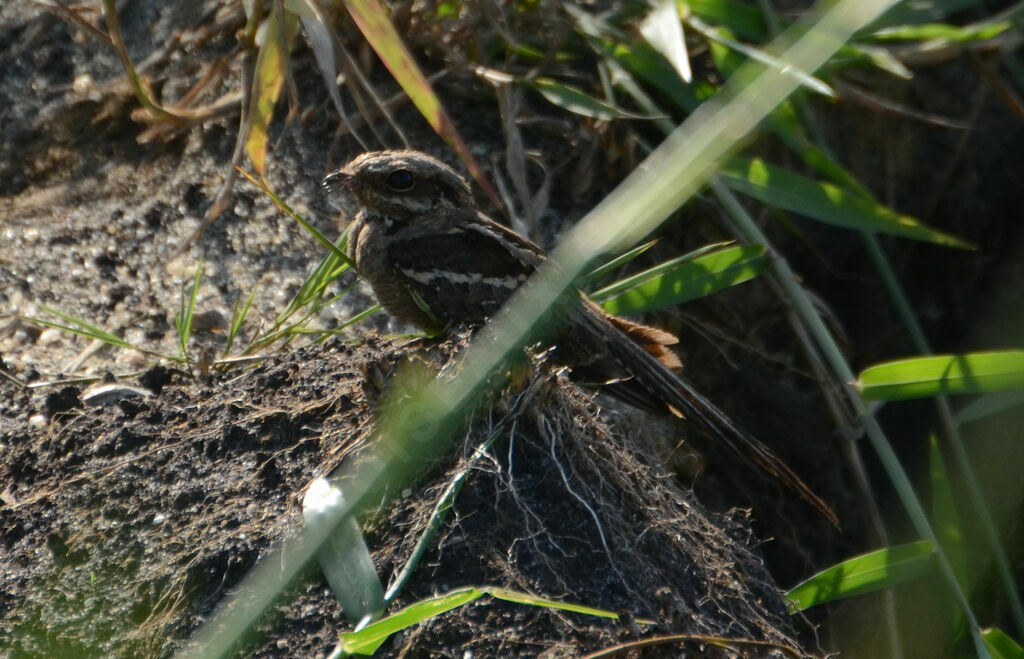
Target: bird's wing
x,y
461,290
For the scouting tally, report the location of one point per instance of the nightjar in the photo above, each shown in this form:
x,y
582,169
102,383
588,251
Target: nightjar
x,y
435,261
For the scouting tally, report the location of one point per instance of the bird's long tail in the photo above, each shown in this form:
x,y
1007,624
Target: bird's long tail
x,y
674,391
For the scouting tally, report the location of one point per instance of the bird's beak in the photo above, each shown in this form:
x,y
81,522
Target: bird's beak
x,y
340,177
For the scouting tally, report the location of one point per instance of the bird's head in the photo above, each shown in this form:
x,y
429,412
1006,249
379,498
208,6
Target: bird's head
x,y
403,185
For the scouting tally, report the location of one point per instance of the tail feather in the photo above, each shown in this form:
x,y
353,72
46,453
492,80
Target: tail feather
x,y
648,371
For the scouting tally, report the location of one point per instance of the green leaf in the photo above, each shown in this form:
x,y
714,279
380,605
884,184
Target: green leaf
x,y
1000,645
866,573
940,375
579,102
651,66
368,639
682,279
826,202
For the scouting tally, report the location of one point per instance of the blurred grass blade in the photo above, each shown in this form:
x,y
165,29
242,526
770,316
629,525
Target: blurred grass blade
x,y
619,261
826,202
1000,645
664,31
946,519
944,33
373,22
266,88
970,373
676,281
367,640
721,36
989,405
186,311
866,573
577,101
344,558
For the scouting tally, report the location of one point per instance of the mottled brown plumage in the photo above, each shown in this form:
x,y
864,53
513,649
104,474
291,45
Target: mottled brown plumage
x,y
434,261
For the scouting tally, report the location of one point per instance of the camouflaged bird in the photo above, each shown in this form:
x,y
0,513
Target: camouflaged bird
x,y
435,261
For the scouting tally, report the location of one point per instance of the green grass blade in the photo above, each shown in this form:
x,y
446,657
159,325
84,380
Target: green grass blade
x,y
826,202
368,639
237,320
989,405
532,600
287,210
723,37
945,517
619,261
917,377
1001,646
575,100
943,32
866,573
186,311
82,328
681,280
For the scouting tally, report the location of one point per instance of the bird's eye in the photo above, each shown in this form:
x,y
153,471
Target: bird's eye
x,y
401,180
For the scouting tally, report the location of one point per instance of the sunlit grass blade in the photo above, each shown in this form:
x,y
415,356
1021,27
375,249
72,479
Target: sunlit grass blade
x,y
577,101
681,280
186,311
866,573
238,316
1001,646
287,210
86,330
826,202
367,640
619,261
940,375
